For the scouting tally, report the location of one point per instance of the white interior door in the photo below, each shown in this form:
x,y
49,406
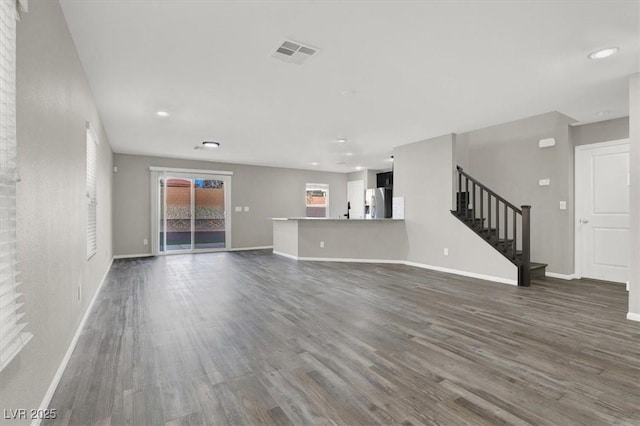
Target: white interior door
x,y
355,195
602,211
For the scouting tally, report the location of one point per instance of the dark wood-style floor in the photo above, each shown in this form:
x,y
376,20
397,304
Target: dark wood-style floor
x,y
252,338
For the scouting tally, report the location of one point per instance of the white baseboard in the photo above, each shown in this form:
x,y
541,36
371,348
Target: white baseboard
x,y
290,256
463,273
251,248
337,259
633,317
403,262
46,400
130,256
561,276
348,260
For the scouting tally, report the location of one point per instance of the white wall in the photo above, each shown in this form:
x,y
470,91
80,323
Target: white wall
x,y
507,159
601,131
267,191
424,176
54,103
634,165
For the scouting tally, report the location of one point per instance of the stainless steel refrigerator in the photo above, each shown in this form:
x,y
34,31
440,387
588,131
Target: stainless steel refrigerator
x,y
377,203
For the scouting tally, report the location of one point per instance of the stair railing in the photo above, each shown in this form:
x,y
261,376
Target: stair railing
x,y
489,214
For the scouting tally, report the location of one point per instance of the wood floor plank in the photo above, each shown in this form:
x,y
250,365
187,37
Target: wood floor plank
x,y
249,338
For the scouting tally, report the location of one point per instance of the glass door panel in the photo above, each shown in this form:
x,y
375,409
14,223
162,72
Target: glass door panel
x,y
178,214
209,223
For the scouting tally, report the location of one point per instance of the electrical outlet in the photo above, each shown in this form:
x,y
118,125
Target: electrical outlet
x,y
321,244
544,182
563,205
246,208
238,209
145,241
446,252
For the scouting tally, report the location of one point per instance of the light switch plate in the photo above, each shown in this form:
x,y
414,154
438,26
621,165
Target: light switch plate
x,y
246,208
544,182
238,208
563,205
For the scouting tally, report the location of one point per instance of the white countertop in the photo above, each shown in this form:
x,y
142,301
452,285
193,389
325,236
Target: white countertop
x,y
344,219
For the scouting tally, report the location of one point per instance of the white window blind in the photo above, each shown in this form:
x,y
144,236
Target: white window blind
x,y
13,336
92,192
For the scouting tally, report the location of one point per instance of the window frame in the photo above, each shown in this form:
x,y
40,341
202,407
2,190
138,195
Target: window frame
x,y
91,181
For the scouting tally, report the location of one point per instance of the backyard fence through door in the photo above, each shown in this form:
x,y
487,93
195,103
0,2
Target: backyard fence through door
x,y
190,211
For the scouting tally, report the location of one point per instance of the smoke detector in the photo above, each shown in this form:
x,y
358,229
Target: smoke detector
x,y
294,52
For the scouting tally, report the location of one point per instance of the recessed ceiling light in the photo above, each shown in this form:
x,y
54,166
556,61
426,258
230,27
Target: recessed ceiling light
x,y
162,114
604,53
349,154
210,144
604,113
358,167
341,140
315,163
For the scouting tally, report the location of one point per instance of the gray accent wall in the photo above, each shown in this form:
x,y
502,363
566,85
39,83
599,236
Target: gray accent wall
x,y
267,191
634,217
508,160
424,176
602,131
353,239
54,102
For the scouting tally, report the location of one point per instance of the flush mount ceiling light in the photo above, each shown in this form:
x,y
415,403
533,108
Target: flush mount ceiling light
x,y
315,163
604,53
162,114
341,140
349,154
358,167
210,144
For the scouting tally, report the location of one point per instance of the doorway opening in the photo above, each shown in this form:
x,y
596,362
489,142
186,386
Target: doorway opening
x,y
192,213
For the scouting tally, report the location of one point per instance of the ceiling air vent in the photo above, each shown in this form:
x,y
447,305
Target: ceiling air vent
x,y
294,52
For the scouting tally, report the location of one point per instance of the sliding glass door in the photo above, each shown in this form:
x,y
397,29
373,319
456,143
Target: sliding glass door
x,y
192,213
209,218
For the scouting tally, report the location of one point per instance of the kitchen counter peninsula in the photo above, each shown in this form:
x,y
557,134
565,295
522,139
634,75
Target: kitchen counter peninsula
x,y
312,238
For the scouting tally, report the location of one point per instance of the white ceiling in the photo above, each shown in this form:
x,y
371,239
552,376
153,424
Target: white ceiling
x,y
388,73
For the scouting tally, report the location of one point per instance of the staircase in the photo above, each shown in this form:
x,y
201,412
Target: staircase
x,y
501,224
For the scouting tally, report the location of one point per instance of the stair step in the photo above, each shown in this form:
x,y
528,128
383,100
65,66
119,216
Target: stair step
x,y
535,265
538,270
484,230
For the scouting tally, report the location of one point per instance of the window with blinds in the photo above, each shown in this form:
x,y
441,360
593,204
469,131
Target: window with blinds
x,y
92,192
13,336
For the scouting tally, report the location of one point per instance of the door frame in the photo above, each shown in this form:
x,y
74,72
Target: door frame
x,y
157,173
361,181
577,198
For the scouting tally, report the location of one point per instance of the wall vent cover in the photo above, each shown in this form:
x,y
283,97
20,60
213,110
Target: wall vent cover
x,y
294,52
